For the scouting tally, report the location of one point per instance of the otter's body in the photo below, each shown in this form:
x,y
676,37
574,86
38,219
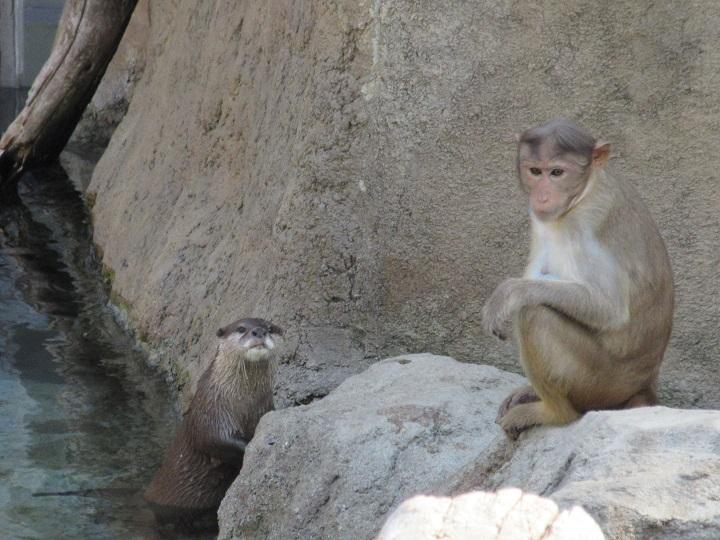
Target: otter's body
x,y
232,395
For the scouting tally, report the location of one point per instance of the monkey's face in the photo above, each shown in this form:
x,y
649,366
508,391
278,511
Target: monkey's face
x,y
254,338
553,182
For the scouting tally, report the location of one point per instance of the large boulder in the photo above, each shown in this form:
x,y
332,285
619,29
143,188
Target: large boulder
x,y
334,469
641,473
346,169
424,425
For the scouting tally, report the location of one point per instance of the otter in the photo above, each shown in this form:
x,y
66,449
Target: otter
x,y
208,449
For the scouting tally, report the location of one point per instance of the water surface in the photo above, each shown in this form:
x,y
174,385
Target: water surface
x,y
79,407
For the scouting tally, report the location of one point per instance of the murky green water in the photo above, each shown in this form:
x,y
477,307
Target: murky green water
x,y
79,408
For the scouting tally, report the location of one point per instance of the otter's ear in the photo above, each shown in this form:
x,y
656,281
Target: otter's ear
x,y
220,332
274,329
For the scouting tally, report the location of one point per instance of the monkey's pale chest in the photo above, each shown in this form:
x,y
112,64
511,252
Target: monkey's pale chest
x,y
560,257
551,263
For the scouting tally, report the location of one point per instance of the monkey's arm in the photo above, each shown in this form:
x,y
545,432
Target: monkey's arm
x,y
228,450
581,302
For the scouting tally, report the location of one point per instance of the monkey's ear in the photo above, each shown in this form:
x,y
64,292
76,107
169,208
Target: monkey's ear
x,y
220,332
601,154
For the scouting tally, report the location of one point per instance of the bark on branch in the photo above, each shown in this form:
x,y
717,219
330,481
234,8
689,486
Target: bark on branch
x,y
86,40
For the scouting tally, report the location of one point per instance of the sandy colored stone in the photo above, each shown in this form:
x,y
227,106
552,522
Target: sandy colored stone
x,y
110,101
347,169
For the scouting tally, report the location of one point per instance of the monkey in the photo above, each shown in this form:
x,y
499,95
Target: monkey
x,y
208,449
592,314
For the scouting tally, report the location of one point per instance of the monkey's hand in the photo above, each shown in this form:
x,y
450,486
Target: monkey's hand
x,y
501,306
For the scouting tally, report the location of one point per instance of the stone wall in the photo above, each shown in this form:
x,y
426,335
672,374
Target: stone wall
x,y
346,169
110,101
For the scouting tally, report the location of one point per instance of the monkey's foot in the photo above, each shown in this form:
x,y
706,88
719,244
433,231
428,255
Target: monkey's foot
x,y
518,419
646,398
526,415
525,394
513,424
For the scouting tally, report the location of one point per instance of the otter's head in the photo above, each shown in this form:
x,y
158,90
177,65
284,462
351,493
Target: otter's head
x,y
252,339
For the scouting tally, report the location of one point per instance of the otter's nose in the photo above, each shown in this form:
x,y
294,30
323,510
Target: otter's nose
x,y
259,332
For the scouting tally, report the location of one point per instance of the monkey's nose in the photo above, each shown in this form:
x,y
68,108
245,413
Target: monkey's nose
x,y
259,332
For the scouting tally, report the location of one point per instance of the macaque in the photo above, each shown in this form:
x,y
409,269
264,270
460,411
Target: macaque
x,y
592,314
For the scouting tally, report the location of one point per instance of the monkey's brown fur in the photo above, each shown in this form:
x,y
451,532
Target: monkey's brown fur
x,y
207,452
592,315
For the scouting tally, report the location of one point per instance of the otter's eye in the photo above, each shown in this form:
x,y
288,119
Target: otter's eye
x,y
556,172
535,171
241,330
275,330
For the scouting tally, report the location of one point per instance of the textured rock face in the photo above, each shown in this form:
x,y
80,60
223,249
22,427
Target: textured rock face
x,y
421,424
346,169
508,514
110,101
334,469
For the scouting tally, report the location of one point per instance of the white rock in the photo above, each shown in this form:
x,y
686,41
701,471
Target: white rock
x,y
508,514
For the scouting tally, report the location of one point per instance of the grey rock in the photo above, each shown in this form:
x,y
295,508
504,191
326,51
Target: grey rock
x,y
423,425
649,473
335,468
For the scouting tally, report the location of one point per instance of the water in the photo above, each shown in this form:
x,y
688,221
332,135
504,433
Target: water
x,y
79,408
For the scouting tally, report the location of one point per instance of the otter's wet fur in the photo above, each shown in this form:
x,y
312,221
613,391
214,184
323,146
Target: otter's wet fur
x,y
232,395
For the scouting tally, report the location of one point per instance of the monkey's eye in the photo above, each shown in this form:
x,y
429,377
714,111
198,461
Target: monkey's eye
x,y
535,171
556,172
241,330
